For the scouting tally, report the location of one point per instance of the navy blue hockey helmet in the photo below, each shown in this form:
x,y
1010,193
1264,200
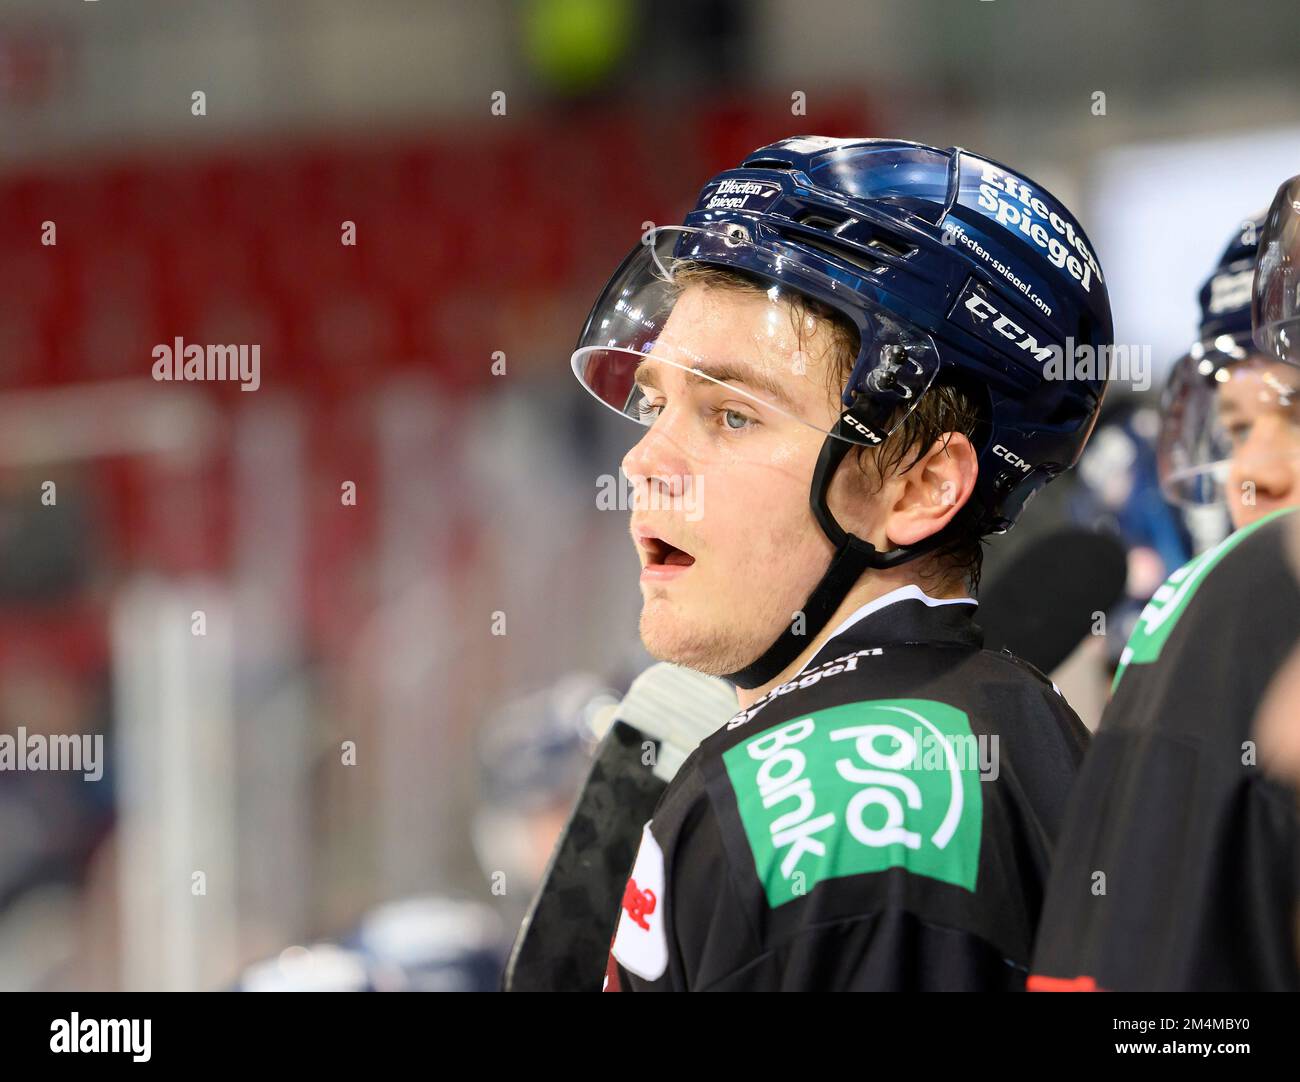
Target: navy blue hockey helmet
x,y
1224,297
952,268
1223,365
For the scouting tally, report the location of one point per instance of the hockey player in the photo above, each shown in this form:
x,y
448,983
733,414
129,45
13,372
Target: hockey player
x,y
1178,866
841,360
1229,432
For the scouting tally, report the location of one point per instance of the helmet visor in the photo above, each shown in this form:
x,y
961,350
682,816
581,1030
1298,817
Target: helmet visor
x,y
1216,396
711,310
1275,302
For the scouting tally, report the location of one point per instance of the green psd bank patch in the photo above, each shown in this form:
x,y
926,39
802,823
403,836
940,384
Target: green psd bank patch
x,y
861,788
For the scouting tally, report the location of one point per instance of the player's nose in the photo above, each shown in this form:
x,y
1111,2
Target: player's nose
x,y
658,461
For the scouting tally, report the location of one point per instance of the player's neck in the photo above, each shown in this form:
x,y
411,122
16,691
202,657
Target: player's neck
x,y
872,586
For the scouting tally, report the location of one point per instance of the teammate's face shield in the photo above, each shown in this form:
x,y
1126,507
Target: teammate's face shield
x,y
1223,401
1275,302
670,320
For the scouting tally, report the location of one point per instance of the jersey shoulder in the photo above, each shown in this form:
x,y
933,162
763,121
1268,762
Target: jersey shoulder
x,y
1247,584
887,758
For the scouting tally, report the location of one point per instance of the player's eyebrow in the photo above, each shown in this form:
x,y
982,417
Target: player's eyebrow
x,y
752,379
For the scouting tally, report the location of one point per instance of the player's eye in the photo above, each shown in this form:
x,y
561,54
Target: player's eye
x,y
735,421
647,410
1238,433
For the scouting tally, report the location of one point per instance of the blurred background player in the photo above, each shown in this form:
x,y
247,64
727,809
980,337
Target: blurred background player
x,y
532,754
421,944
1179,865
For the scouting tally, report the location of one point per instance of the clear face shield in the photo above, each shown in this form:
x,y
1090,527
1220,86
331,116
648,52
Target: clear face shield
x,y
1275,302
740,350
1224,402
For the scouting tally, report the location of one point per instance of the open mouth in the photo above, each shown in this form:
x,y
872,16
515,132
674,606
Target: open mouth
x,y
659,553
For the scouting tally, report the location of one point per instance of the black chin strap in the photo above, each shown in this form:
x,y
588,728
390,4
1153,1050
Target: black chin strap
x,y
853,556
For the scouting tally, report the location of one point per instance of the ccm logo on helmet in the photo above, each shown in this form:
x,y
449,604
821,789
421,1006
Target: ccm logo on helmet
x,y
868,434
1012,459
982,311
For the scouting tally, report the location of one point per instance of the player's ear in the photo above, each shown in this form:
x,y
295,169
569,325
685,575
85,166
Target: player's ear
x,y
924,498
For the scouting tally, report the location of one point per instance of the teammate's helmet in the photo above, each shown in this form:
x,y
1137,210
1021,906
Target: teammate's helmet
x,y
952,268
1194,448
535,748
1276,295
532,753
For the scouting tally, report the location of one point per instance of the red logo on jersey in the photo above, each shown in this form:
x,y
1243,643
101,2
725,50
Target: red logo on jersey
x,y
638,903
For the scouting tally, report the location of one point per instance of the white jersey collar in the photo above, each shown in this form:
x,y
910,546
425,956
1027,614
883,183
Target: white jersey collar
x,y
910,592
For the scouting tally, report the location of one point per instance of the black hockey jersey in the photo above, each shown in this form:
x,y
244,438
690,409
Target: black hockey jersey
x,y
884,820
1178,865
